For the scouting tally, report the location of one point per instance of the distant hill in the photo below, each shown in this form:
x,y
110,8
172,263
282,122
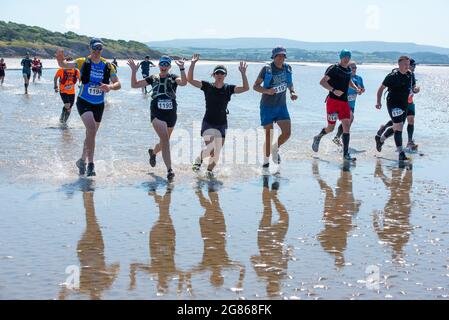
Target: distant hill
x,y
299,55
17,39
264,43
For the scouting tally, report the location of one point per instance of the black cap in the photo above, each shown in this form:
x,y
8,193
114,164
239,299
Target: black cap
x,y
413,62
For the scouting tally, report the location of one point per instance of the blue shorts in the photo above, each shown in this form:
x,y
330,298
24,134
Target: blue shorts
x,y
270,115
411,110
352,106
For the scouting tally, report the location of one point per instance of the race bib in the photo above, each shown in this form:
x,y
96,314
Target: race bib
x,y
280,89
352,97
165,105
397,112
332,117
95,91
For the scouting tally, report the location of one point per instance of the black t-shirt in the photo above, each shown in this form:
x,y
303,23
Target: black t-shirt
x,y
399,87
340,78
146,65
217,103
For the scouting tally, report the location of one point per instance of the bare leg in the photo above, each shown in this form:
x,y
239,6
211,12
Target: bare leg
x,y
158,148
286,132
91,133
164,145
268,138
215,154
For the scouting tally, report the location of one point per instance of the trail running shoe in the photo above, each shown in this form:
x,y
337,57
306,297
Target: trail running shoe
x,y
170,175
91,170
379,144
81,165
152,158
316,144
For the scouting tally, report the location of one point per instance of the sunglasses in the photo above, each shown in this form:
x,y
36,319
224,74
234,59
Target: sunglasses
x,y
165,64
97,48
220,73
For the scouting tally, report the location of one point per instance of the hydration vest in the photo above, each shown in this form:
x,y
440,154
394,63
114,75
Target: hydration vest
x,y
66,77
165,91
269,75
86,68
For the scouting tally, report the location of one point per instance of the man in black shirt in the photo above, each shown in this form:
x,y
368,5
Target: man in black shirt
x,y
337,80
145,65
386,131
400,84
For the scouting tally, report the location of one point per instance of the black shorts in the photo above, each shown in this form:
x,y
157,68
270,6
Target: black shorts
x,y
398,114
84,106
68,98
170,118
2,73
213,130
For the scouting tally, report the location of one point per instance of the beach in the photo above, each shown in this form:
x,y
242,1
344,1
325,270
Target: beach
x,y
315,230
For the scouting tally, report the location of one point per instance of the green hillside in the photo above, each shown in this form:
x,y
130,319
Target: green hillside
x,y
17,39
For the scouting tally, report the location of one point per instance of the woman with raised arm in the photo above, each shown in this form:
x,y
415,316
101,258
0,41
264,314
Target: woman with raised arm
x,y
215,123
98,77
163,105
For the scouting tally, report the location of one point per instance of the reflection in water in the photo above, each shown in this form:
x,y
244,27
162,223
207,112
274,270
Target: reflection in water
x,y
95,275
393,224
272,263
213,232
162,246
339,209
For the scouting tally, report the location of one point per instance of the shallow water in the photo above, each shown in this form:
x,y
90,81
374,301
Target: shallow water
x,y
316,231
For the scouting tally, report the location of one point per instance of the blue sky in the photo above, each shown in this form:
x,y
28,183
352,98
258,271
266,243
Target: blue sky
x,y
423,22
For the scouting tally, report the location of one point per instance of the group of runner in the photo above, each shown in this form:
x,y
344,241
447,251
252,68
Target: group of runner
x,y
97,77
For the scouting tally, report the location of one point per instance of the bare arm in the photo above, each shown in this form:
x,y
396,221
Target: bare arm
x,y
134,68
62,62
380,92
242,68
190,77
55,80
182,81
259,88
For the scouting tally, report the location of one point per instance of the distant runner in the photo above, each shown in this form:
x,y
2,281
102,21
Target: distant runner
x,y
37,69
26,71
115,63
2,70
145,65
67,83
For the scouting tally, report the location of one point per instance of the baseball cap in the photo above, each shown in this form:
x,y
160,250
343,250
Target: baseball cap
x,y
96,42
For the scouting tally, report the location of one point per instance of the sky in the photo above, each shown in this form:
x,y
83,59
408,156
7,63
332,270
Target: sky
x,y
422,22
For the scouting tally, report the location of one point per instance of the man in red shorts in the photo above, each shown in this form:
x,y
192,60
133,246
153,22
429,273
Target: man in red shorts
x,y
337,81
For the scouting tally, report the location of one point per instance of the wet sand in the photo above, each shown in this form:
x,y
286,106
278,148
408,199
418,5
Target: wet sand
x,y
316,231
